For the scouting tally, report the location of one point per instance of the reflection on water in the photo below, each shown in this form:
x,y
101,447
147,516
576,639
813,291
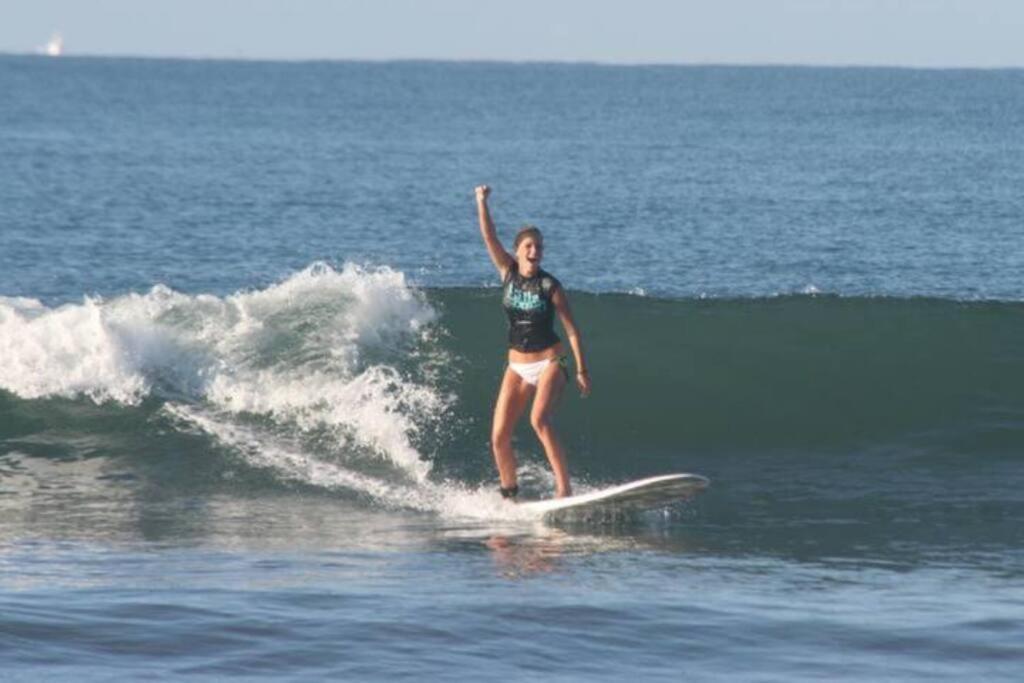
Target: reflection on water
x,y
518,558
545,550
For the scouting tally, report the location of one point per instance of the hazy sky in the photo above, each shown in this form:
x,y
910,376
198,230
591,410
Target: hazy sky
x,y
896,32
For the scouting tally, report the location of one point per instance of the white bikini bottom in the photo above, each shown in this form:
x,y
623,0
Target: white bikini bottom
x,y
531,372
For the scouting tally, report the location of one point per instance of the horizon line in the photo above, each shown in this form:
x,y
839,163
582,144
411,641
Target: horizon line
x,y
518,62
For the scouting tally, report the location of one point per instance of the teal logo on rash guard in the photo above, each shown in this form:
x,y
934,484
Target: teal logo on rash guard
x,y
523,301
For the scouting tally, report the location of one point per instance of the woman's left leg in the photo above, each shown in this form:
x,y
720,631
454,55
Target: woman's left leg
x,y
549,391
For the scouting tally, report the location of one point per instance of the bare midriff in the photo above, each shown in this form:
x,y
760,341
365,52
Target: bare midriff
x,y
549,353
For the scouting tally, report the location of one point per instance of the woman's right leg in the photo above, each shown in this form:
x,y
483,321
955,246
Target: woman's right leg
x,y
512,399
549,390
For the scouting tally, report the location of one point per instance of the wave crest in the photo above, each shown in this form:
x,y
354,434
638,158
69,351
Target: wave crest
x,y
322,350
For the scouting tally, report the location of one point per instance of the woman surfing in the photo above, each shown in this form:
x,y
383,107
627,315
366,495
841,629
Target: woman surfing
x,y
537,365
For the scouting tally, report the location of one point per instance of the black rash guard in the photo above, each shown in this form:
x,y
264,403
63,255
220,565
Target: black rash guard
x,y
530,311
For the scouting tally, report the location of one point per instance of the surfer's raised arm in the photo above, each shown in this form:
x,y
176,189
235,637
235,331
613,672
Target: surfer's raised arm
x,y
502,259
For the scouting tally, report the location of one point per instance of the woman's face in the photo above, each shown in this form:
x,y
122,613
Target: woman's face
x,y
528,254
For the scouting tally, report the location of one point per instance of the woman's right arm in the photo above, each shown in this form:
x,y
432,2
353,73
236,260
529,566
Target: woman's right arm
x,y
502,259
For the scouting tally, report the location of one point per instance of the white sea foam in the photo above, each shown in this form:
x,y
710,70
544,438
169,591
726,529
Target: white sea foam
x,y
452,500
316,351
263,451
65,351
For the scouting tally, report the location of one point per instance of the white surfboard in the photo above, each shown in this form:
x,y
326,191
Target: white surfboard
x,y
642,494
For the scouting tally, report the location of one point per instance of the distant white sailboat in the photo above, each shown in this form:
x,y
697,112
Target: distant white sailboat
x,y
54,48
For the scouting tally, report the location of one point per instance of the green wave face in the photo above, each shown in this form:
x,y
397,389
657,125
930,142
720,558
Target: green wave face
x,y
674,378
675,381
359,390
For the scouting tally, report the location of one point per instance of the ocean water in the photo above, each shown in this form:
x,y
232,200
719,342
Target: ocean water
x,y
250,340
